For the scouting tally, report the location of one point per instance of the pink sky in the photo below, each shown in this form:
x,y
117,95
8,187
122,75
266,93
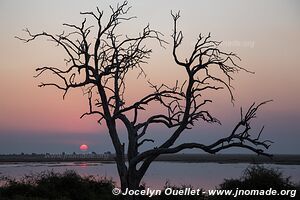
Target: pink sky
x,y
265,34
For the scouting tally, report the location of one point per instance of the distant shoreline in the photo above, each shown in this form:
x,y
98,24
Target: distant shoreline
x,y
232,158
186,158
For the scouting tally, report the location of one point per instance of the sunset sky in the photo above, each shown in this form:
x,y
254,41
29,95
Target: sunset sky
x,y
265,34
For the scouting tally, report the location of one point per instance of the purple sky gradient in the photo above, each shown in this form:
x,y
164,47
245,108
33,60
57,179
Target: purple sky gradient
x,y
265,34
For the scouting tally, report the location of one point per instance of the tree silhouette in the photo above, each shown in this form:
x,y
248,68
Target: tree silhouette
x,y
99,64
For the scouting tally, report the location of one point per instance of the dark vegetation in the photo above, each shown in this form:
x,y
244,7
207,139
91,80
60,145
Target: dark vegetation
x,y
69,185
260,178
61,186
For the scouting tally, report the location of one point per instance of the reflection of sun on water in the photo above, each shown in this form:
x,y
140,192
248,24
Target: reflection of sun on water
x,y
83,165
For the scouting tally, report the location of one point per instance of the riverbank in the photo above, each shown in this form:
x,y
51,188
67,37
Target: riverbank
x,y
196,158
282,159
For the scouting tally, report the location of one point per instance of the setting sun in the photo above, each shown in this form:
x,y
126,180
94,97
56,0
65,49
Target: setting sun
x,y
84,147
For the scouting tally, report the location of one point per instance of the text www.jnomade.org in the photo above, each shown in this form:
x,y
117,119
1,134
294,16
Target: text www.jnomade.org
x,y
197,192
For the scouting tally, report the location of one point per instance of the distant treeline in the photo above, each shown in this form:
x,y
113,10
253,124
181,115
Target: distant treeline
x,y
284,159
55,157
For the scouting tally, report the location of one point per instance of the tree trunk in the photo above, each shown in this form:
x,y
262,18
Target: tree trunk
x,y
131,181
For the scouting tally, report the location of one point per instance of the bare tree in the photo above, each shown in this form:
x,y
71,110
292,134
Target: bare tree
x,y
99,65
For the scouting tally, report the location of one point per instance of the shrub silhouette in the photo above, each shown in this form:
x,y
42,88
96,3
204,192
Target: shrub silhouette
x,y
259,178
62,186
69,185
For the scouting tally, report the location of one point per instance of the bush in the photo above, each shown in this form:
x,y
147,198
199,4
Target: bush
x,y
70,186
259,178
59,186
